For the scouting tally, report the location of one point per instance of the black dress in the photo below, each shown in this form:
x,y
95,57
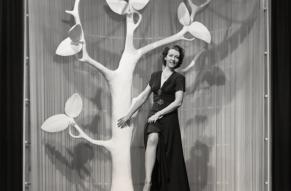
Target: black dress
x,y
169,173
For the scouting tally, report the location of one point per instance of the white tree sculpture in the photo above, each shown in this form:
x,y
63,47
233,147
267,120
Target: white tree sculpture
x,y
119,80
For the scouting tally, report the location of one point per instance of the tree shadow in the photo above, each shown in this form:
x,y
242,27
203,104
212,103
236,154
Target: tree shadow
x,y
74,164
209,73
197,119
198,167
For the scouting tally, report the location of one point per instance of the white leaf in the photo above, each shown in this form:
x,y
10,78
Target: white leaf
x,y
68,48
118,6
56,123
74,105
139,4
198,30
183,14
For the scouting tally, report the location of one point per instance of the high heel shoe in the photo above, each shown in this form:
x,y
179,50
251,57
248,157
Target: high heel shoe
x,y
147,186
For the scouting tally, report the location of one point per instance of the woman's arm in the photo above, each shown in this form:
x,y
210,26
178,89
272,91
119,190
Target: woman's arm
x,y
171,107
140,100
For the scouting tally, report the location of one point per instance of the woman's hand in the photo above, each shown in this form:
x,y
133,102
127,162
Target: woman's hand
x,y
154,117
123,121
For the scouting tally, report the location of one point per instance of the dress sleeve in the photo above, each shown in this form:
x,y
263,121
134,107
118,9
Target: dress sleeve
x,y
180,83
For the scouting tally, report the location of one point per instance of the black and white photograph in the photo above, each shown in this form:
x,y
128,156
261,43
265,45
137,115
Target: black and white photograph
x,y
145,95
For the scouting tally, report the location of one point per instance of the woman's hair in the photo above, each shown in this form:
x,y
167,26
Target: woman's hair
x,y
175,47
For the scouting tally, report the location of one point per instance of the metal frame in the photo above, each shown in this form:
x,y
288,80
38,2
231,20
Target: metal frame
x,y
267,101
25,116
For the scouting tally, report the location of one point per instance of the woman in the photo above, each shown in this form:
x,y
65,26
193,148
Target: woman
x,y
165,168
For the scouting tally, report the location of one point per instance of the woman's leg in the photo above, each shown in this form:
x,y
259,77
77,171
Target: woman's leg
x,y
150,158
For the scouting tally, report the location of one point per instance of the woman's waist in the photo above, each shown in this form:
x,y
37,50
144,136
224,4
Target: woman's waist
x,y
163,100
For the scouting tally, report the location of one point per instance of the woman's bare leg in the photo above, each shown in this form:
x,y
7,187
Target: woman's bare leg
x,y
150,158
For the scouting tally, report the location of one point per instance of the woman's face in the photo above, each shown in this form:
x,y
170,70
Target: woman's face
x,y
172,58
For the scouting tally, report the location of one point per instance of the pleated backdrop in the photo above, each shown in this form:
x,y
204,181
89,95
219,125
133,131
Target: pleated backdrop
x,y
223,117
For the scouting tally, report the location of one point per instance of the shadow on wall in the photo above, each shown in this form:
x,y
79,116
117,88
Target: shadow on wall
x,y
74,164
88,83
210,74
198,167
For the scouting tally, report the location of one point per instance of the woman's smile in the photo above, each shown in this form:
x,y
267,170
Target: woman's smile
x,y
172,58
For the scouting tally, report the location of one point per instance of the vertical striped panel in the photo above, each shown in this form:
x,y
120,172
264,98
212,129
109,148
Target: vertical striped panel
x,y
221,118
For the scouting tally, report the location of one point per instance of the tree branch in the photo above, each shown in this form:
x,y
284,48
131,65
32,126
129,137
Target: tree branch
x,y
193,62
85,56
202,6
167,40
130,28
195,9
107,144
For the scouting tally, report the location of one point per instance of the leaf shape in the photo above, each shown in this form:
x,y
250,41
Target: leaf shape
x,y
56,123
183,14
139,4
75,33
74,105
68,48
198,30
118,6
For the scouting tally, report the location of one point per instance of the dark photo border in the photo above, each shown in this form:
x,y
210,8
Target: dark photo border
x,y
11,74
281,60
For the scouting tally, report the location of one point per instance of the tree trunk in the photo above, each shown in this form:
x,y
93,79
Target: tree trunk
x,y
121,86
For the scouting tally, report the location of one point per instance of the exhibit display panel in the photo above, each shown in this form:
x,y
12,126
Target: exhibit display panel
x,y
224,118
